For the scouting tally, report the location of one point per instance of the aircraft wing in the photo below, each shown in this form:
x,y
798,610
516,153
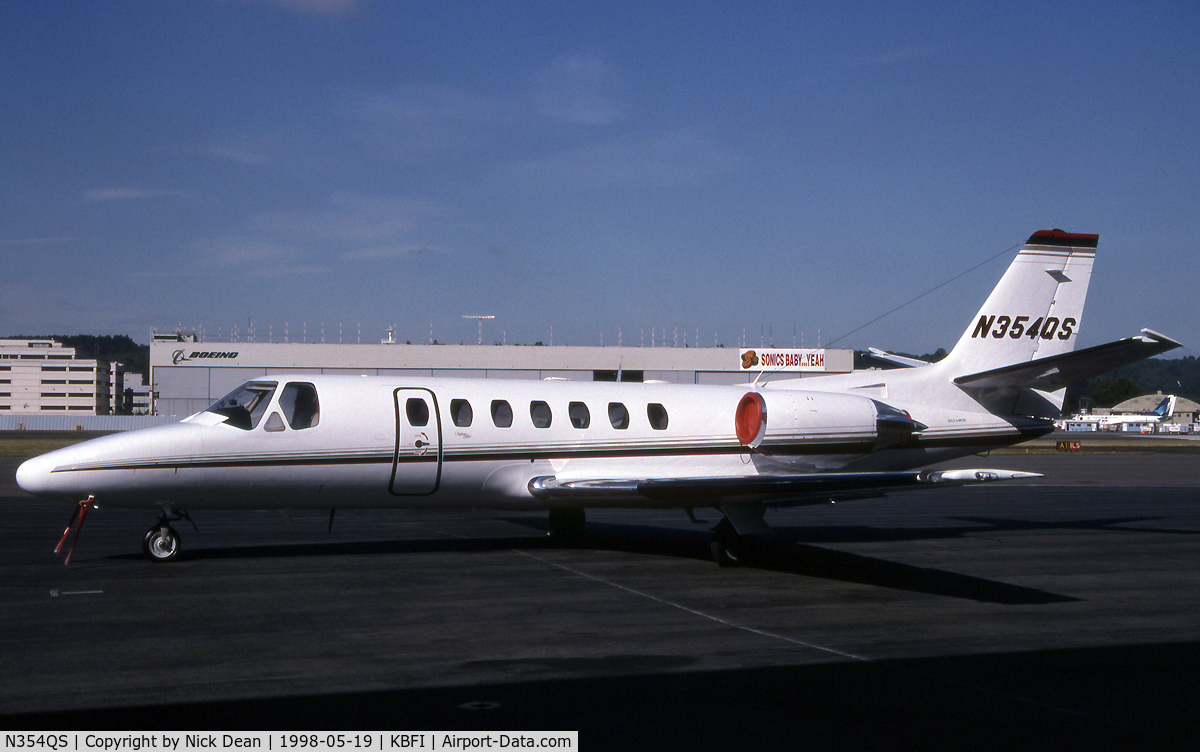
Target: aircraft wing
x,y
1060,371
772,490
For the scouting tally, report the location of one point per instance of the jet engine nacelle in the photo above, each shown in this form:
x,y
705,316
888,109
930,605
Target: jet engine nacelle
x,y
774,421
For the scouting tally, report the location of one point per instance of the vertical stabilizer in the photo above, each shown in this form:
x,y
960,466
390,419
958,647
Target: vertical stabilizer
x,y
1036,309
1166,408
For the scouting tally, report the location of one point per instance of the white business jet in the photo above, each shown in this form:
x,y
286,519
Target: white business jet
x,y
331,442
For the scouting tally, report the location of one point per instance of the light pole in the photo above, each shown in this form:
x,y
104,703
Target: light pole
x,y
481,319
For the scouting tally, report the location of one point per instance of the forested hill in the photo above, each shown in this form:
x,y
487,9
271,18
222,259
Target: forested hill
x,y
1178,376
113,348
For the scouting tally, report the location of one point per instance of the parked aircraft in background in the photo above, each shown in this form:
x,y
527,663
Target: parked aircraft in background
x,y
1139,422
336,442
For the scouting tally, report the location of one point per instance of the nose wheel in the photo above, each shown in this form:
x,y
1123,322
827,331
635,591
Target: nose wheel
x,y
161,543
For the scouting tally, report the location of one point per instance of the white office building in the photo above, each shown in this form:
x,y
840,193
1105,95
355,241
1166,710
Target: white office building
x,y
40,376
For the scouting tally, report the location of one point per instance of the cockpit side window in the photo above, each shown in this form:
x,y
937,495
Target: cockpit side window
x,y
298,400
244,406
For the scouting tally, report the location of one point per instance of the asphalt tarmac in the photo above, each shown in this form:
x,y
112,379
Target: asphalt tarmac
x,y
1060,612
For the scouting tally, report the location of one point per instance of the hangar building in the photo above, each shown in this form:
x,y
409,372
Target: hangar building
x,y
187,375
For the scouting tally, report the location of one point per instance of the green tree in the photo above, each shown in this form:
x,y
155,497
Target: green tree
x,y
1107,391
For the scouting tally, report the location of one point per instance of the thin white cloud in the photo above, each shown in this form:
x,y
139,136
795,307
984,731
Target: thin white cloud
x,y
129,194
893,57
227,147
245,257
580,88
354,217
672,158
321,7
378,253
35,241
241,154
34,309
413,123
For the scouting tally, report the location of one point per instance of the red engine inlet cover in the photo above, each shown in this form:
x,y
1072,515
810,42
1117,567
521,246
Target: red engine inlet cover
x,y
750,420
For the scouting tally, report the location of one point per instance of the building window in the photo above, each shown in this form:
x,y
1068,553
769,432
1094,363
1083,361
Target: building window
x,y
540,413
657,415
618,415
460,413
501,414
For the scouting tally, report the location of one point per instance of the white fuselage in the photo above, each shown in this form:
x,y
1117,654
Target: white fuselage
x,y
398,442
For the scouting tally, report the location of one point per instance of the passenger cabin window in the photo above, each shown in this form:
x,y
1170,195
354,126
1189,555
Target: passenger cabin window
x,y
540,413
618,415
580,417
657,415
298,400
460,413
244,407
417,411
501,414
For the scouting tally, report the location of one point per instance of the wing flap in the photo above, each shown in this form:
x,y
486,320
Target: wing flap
x,y
1060,371
780,490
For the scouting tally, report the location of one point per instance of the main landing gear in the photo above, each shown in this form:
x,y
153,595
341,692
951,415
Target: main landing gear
x,y
734,537
161,543
728,548
566,524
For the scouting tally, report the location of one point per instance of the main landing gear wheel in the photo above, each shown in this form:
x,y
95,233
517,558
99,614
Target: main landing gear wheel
x,y
161,543
566,525
728,548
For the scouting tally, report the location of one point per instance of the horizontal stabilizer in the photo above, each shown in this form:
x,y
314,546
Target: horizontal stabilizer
x,y
897,360
781,490
1060,371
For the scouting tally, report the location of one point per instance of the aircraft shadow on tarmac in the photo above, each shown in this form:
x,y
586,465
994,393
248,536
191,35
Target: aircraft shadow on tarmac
x,y
787,550
1070,698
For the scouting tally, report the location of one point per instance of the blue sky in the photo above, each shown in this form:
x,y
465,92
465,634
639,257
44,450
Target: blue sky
x,y
585,171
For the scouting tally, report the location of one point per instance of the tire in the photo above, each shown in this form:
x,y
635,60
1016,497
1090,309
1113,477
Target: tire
x,y
566,525
161,544
728,548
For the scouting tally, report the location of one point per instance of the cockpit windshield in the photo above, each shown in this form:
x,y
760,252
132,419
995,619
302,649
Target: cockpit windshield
x,y
244,406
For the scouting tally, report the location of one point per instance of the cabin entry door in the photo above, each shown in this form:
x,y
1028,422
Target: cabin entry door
x,y
417,465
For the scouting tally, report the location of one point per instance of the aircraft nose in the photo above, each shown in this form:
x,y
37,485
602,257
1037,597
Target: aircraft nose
x,y
33,476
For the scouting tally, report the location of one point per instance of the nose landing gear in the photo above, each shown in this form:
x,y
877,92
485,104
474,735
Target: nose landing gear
x,y
161,543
